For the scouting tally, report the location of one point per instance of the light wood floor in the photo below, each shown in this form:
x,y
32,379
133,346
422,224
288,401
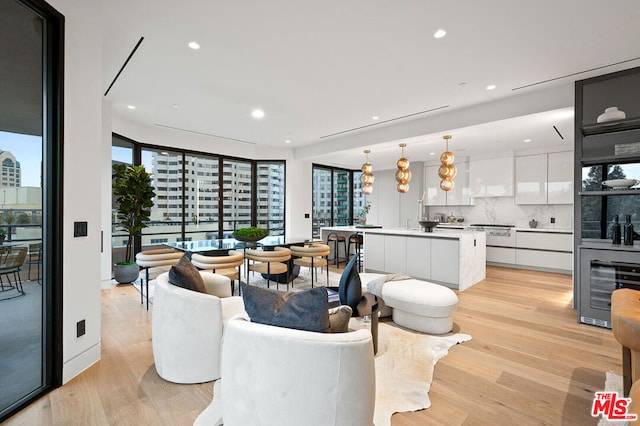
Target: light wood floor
x,y
529,362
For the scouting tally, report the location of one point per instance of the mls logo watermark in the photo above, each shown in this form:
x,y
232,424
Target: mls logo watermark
x,y
612,407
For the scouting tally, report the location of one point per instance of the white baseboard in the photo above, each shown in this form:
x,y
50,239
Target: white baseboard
x,y
78,364
106,284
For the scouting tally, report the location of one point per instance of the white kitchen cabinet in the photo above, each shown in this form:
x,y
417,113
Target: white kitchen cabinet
x,y
395,254
374,252
456,260
418,257
544,178
505,255
544,259
434,195
545,250
460,195
560,178
445,254
531,179
491,177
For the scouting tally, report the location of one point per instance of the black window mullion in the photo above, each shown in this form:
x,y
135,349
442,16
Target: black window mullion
x,y
220,196
185,199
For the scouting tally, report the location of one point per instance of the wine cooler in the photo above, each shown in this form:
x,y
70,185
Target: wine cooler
x,y
602,272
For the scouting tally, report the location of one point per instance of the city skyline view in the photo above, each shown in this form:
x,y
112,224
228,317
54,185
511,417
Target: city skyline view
x,y
27,150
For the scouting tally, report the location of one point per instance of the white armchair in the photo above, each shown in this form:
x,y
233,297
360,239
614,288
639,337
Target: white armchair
x,y
187,327
280,376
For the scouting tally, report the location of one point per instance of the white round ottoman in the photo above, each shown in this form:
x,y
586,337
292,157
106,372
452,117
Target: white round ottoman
x,y
421,305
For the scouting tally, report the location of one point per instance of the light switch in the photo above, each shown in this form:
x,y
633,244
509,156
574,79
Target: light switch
x,y
79,229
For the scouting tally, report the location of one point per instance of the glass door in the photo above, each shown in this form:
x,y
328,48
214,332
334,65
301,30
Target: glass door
x,y
30,244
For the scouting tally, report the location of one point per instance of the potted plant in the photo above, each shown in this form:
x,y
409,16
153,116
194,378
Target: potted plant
x,y
3,235
364,212
134,195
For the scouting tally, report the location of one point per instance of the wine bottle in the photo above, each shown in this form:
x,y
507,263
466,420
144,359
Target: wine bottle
x,y
616,231
628,232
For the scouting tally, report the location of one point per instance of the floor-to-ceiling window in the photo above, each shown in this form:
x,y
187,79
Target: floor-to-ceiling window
x,y
270,200
336,197
30,213
203,196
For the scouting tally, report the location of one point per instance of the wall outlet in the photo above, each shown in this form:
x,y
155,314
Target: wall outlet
x,y
80,328
553,220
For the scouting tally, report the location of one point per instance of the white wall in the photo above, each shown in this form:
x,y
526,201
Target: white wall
x,y
82,181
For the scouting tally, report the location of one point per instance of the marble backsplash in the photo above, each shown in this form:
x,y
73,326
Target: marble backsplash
x,y
503,210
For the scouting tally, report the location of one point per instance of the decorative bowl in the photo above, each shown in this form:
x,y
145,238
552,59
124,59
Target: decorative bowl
x,y
621,183
611,114
428,225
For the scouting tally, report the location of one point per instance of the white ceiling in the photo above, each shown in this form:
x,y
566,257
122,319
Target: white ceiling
x,y
323,68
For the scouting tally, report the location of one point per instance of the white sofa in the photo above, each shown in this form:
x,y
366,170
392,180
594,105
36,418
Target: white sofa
x,y
280,376
187,327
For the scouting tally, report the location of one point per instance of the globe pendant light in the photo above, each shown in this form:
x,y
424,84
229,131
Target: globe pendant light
x,y
403,174
367,176
447,171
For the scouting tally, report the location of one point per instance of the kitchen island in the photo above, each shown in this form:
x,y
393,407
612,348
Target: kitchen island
x,y
456,259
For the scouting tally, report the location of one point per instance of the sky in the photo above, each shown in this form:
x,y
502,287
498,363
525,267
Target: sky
x,y
28,152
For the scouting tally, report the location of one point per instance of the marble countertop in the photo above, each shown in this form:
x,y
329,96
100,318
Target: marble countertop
x,y
516,228
437,233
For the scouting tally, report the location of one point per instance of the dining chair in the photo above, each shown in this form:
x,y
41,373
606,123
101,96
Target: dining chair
x,y
12,262
228,265
269,262
34,257
312,256
159,259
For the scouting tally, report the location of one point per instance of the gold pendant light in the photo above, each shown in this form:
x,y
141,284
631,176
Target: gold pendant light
x,y
367,176
447,171
403,174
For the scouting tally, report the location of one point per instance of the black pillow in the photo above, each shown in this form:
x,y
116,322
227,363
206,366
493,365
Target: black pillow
x,y
184,274
302,310
350,289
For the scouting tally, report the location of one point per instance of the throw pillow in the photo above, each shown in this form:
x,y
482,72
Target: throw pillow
x,y
302,310
350,287
184,274
339,319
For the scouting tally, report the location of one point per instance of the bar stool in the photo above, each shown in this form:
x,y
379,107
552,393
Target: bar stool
x,y
357,240
336,239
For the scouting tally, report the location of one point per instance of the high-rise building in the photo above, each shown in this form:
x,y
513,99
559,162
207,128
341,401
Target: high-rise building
x,y
203,190
11,172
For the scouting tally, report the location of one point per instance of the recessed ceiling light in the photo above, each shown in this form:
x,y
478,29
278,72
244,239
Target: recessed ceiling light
x,y
131,107
194,45
287,141
432,153
375,117
491,87
527,140
440,33
176,105
257,113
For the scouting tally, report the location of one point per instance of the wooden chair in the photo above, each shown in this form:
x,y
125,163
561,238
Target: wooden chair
x,y
12,261
312,256
268,262
228,265
34,257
